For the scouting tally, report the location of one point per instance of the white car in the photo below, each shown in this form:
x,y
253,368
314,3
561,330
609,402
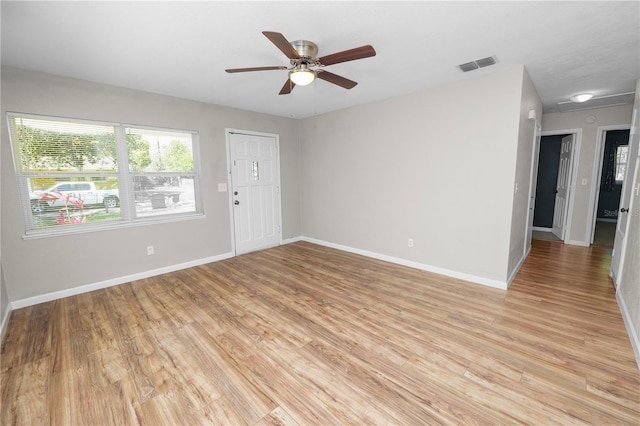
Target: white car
x,y
73,194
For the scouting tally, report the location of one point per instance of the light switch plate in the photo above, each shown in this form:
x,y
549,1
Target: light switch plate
x,y
222,187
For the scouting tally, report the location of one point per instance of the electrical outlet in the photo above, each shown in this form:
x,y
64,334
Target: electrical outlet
x,y
410,242
149,250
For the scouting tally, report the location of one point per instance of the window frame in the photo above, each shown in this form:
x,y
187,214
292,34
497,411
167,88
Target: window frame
x,y
123,174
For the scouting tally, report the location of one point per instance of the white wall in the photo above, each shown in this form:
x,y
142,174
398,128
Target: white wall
x,y
40,266
437,166
629,285
580,227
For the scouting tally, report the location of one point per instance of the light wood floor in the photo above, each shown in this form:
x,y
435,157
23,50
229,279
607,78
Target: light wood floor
x,y
303,334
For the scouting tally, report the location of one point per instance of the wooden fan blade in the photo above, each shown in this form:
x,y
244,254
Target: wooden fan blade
x,y
282,43
287,88
347,55
256,69
336,79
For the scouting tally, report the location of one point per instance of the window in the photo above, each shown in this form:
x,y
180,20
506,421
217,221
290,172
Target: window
x,y
622,155
76,175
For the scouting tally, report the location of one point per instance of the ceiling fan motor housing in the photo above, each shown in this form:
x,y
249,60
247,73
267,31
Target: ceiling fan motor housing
x,y
307,50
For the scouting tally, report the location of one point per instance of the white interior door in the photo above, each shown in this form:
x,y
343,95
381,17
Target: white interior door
x,y
255,189
562,189
619,241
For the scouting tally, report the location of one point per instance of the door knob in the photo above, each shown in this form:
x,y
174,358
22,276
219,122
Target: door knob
x,y
236,202
623,210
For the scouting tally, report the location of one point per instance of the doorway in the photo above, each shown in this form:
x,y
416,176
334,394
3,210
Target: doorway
x,y
254,168
548,177
613,149
624,168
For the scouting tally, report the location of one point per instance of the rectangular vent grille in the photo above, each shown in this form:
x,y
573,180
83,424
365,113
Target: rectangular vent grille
x,y
485,62
469,66
478,63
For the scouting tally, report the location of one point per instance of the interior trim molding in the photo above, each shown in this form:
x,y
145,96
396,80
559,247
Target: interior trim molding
x,y
573,178
22,303
596,173
503,285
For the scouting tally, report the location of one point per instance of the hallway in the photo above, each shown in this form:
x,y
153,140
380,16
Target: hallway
x,y
603,237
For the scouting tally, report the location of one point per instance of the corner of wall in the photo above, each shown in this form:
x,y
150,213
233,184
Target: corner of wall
x,y
523,173
5,305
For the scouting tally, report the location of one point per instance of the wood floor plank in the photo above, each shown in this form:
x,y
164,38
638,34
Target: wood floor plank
x,y
24,393
222,412
250,401
303,335
278,417
283,373
579,405
30,338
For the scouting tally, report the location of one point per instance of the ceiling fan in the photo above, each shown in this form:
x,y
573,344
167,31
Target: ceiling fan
x,y
305,67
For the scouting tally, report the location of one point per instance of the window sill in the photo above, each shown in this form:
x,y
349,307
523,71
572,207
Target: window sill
x,y
65,230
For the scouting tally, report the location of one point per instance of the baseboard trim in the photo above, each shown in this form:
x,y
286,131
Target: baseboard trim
x,y
5,320
416,265
542,229
290,240
515,271
633,336
30,301
577,243
22,303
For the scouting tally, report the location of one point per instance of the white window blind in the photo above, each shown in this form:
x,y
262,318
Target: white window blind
x,y
162,169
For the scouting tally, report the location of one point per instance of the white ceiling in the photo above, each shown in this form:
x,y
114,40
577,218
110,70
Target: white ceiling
x,y
182,48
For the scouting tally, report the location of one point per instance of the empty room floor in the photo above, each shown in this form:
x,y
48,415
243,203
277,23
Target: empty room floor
x,y
303,334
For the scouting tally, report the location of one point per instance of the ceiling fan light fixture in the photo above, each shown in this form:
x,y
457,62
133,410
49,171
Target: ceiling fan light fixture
x,y
581,97
302,76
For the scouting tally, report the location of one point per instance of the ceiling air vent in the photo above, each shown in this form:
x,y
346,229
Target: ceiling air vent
x,y
478,63
469,66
